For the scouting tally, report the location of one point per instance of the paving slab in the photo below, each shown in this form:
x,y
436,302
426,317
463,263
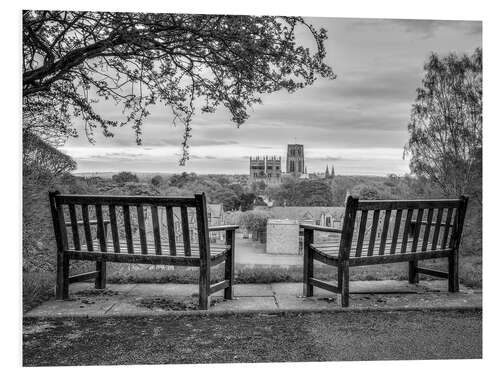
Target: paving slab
x,y
152,299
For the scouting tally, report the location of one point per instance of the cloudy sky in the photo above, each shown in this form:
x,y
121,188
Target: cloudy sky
x,y
358,122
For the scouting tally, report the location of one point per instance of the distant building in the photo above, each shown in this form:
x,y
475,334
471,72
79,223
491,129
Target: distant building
x,y
295,165
266,169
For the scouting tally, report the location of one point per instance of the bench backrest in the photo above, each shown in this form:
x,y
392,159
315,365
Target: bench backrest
x,y
387,227
131,218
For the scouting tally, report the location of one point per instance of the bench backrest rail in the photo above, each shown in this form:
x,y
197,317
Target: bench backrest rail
x,y
387,227
137,224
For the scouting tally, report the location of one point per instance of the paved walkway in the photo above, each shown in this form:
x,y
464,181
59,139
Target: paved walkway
x,y
164,299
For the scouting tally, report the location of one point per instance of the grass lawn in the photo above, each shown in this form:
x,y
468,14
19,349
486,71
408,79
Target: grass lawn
x,y
253,338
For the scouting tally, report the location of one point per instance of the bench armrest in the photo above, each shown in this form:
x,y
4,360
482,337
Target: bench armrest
x,y
223,227
91,222
320,228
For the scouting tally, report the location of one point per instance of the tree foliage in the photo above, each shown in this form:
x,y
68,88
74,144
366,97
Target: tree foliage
x,y
71,60
124,177
43,160
445,126
293,192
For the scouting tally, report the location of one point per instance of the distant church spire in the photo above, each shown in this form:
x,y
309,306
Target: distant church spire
x,y
327,173
332,174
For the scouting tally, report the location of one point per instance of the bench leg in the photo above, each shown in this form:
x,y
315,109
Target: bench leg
x,y
412,272
62,282
344,276
229,265
100,280
453,283
308,263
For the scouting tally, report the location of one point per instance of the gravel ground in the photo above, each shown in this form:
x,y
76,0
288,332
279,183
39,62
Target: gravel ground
x,y
253,338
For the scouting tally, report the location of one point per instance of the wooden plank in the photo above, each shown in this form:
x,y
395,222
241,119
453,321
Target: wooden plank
x,y
407,204
142,229
324,285
156,229
171,230
128,229
373,233
86,227
427,230
416,234
385,229
83,276
324,258
134,258
185,231
449,215
395,232
218,286
437,229
123,200
427,271
395,258
74,227
114,228
101,232
320,228
62,262
406,230
361,232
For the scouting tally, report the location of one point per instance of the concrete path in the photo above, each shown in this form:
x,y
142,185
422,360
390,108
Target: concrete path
x,y
165,299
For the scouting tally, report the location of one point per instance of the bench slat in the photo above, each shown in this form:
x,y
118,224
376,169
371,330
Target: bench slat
x,y
416,233
114,228
74,227
406,230
156,229
449,214
385,229
427,230
142,229
373,233
171,230
361,232
128,229
101,232
437,229
86,227
185,230
395,232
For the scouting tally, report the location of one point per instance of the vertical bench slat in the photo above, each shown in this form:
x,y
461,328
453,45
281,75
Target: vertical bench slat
x,y
128,229
395,232
114,228
416,234
185,231
142,229
373,234
171,231
101,233
449,214
428,226
156,229
406,230
86,227
385,229
74,227
361,233
437,229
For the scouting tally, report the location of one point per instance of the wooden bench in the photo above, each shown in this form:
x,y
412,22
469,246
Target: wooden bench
x,y
410,231
137,225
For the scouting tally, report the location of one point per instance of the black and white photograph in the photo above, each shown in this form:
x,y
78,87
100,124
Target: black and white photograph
x,y
221,188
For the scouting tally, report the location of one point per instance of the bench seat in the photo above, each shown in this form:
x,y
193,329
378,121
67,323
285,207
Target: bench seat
x,y
217,254
328,252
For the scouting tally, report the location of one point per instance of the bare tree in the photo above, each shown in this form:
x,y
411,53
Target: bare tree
x,y
73,59
446,124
